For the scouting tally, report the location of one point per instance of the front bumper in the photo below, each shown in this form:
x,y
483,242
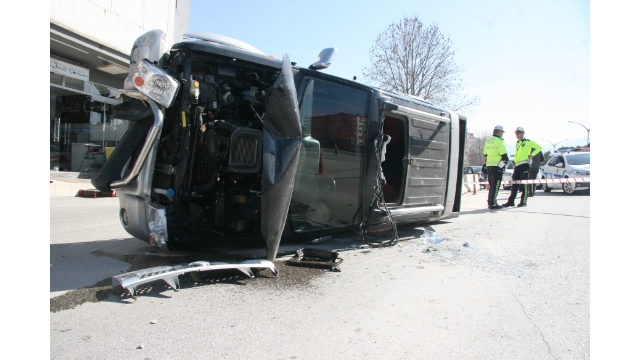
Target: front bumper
x,y
169,274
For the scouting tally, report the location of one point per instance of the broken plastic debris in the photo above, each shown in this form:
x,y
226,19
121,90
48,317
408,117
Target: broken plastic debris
x,y
319,240
140,346
169,274
316,258
431,237
466,244
153,321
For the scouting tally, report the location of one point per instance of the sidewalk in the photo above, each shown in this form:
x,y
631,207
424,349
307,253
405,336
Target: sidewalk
x,y
64,183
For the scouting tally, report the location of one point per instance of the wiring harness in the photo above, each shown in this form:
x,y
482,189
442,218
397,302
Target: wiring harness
x,y
380,144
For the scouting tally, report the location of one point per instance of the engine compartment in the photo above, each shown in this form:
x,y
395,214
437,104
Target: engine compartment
x,y
208,163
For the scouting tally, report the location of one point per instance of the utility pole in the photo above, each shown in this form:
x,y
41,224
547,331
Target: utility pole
x,y
554,145
588,131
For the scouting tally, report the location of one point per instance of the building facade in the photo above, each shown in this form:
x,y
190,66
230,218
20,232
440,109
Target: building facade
x,y
90,42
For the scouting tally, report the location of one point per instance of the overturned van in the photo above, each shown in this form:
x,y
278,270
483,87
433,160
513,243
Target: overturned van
x,y
230,143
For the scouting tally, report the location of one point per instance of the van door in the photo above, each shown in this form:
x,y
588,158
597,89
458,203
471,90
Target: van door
x,y
427,157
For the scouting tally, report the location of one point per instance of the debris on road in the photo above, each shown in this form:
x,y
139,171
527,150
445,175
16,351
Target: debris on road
x,y
466,244
169,274
316,258
319,240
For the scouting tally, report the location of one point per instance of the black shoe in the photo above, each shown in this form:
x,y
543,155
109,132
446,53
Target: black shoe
x,y
495,207
522,205
507,204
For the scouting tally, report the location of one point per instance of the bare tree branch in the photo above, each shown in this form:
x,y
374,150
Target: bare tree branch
x,y
414,59
474,153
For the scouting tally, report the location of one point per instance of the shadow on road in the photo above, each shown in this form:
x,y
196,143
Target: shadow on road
x,y
83,271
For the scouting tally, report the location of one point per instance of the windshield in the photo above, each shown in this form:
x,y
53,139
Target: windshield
x,y
477,168
579,159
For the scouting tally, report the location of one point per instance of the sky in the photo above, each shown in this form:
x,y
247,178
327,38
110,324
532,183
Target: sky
x,y
528,61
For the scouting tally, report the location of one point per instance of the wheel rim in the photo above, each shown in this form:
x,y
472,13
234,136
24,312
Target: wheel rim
x,y
568,188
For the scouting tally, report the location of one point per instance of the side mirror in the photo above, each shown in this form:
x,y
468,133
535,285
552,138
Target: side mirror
x,y
324,59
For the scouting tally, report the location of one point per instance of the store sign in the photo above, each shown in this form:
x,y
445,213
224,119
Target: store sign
x,y
69,70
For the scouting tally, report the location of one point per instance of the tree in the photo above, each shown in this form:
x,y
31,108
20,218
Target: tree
x,y
414,59
475,149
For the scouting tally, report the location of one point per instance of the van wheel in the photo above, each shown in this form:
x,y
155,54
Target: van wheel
x,y
545,186
568,188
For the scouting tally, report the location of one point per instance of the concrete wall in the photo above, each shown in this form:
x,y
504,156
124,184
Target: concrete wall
x,y
117,23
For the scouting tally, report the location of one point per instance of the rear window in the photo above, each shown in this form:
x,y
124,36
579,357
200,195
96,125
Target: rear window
x,y
579,159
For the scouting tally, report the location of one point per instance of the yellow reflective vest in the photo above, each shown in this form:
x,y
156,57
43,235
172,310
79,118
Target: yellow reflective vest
x,y
524,149
494,150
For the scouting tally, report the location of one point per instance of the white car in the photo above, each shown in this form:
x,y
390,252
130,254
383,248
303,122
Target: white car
x,y
568,165
508,174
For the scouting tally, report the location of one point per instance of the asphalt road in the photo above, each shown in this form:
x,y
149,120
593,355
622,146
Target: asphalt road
x,y
520,290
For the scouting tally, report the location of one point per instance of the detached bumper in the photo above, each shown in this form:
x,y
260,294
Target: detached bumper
x,y
169,274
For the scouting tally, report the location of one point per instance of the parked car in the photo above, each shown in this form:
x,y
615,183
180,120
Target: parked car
x,y
568,165
477,170
508,174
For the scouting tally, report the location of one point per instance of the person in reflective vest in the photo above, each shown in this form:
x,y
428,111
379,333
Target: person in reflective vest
x,y
496,154
525,150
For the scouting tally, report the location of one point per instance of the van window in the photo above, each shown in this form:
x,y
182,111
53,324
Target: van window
x,y
329,174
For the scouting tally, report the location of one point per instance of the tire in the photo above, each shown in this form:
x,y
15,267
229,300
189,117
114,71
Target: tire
x,y
545,187
568,188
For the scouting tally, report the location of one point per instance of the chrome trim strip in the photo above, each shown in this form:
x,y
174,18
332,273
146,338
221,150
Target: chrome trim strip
x,y
454,143
415,210
403,110
152,136
169,274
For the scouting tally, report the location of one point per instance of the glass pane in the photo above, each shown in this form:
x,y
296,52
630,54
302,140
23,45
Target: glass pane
x,y
82,133
579,159
329,175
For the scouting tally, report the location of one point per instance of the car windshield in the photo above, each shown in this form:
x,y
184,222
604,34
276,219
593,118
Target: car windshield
x,y
477,168
579,159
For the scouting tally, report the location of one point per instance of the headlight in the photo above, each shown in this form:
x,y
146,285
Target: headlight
x,y
580,172
155,83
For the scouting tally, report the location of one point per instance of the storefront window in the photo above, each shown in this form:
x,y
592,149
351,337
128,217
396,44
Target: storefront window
x,y
82,130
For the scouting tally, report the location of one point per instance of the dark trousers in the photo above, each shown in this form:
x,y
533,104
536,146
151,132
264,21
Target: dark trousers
x,y
533,173
494,178
521,172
